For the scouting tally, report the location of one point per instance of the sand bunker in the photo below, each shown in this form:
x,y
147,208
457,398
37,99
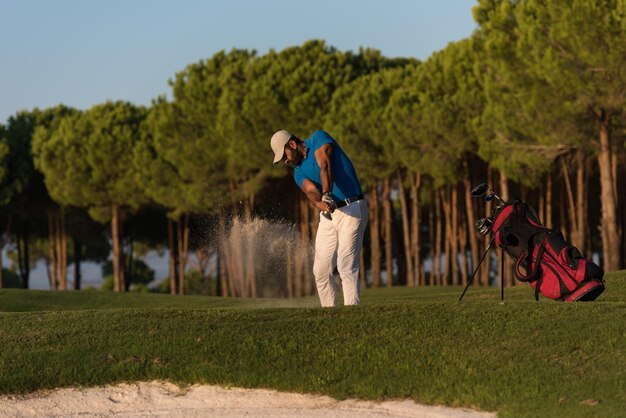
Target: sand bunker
x,y
162,399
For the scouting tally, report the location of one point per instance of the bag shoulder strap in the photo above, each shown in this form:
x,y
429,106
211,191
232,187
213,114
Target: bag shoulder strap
x,y
530,275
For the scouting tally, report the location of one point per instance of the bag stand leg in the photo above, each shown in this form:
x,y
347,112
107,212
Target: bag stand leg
x,y
476,269
502,277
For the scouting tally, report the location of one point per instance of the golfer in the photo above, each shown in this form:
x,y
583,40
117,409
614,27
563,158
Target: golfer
x,y
326,176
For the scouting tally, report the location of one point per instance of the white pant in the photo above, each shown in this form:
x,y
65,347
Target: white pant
x,y
338,244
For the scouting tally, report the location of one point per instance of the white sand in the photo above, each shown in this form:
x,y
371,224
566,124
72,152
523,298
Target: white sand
x,y
161,399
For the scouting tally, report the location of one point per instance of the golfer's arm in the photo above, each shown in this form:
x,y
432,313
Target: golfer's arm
x,y
323,156
313,194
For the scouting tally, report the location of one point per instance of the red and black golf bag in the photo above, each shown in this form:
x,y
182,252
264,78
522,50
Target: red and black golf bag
x,y
543,258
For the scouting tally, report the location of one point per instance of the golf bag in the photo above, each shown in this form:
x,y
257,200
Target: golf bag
x,y
543,258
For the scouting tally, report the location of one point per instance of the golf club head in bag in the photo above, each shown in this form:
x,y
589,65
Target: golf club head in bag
x,y
482,189
483,226
479,190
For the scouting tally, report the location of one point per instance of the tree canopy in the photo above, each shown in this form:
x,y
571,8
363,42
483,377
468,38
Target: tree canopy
x,y
534,97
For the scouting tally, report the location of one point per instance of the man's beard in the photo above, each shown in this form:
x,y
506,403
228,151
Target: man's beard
x,y
298,156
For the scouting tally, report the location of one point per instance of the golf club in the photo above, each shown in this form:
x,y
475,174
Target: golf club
x,y
483,226
482,189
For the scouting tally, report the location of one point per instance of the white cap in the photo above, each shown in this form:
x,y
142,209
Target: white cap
x,y
278,142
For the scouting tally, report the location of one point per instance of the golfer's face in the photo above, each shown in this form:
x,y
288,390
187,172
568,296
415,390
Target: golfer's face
x,y
291,157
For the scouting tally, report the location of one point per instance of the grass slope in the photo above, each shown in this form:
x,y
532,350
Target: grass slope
x,y
521,358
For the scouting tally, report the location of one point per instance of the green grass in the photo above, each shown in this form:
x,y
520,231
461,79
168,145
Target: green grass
x,y
520,358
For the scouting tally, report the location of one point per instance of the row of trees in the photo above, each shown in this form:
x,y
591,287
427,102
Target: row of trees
x,y
532,102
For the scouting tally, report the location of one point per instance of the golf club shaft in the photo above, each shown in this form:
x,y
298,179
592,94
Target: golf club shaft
x,y
496,195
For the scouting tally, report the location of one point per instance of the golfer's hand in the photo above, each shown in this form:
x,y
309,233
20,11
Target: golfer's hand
x,y
327,199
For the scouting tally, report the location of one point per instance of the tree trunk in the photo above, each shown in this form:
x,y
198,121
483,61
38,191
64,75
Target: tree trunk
x,y
620,262
4,238
486,268
52,258
183,250
129,256
172,255
229,255
237,257
64,247
251,202
454,229
504,187
250,245
548,219
406,234
415,231
563,226
181,256
471,219
61,251
23,255
621,213
78,255
26,275
509,279
432,280
611,244
61,283
581,200
448,235
589,226
124,259
3,242
233,199
622,204
572,212
222,258
397,251
118,251
503,272
1,267
438,227
374,236
463,248
386,198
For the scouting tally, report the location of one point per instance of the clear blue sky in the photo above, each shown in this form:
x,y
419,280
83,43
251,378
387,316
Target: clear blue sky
x,y
84,52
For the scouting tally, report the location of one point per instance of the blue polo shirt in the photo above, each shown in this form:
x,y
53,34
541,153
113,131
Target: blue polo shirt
x,y
345,182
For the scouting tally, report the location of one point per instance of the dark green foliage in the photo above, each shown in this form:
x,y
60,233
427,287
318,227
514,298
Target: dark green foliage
x,y
358,119
108,283
522,358
4,153
88,158
550,68
432,112
293,88
15,152
140,272
195,284
10,279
